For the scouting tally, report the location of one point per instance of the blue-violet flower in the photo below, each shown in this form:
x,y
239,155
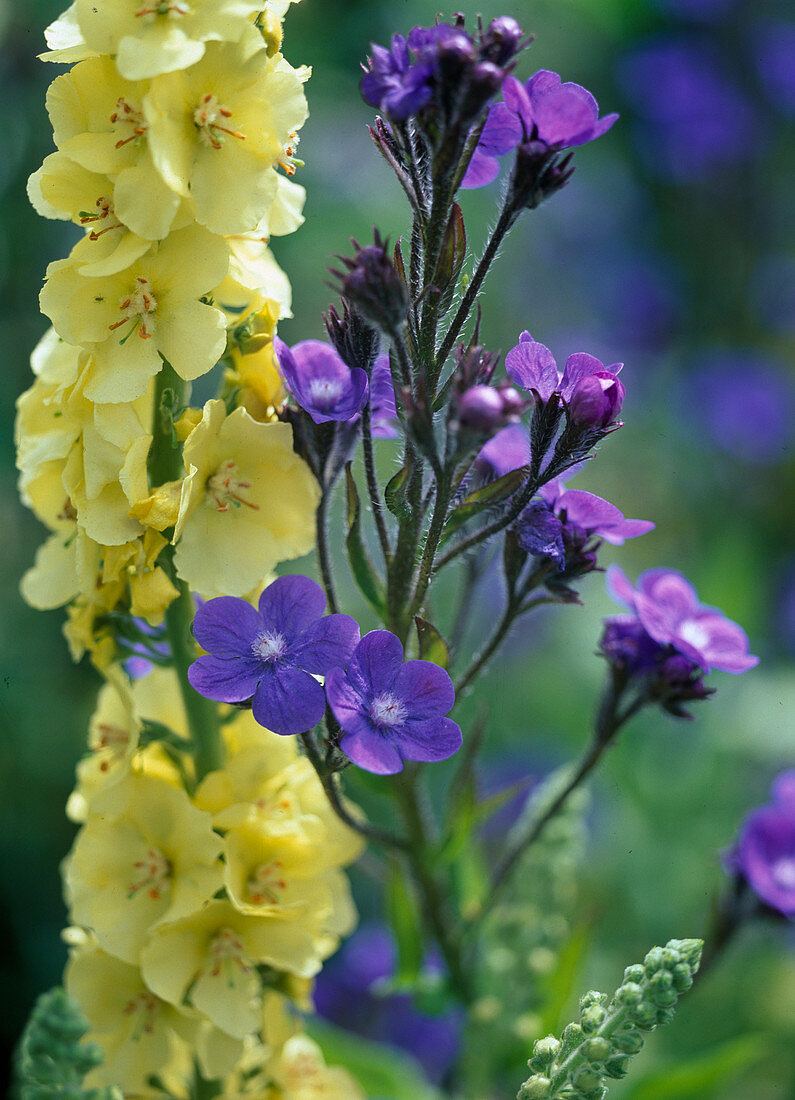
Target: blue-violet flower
x,y
271,654
559,115
391,711
764,853
319,380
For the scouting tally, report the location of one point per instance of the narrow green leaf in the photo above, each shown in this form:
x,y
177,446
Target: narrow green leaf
x,y
695,1078
383,1072
482,498
405,922
432,645
362,568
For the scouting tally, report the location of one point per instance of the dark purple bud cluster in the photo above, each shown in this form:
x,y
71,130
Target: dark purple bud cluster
x,y
355,340
372,285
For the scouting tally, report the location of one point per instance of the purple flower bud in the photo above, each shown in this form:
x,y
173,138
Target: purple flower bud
x,y
371,284
393,84
355,341
596,400
480,408
627,645
502,40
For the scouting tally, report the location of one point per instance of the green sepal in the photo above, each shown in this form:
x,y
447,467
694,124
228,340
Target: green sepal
x,y
482,498
362,568
451,258
395,494
432,645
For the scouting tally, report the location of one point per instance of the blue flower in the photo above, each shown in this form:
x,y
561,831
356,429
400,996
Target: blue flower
x,y
319,380
272,654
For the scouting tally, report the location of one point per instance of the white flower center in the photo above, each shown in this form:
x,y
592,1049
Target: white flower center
x,y
129,121
137,310
269,645
387,711
694,634
266,883
783,871
210,118
325,392
155,871
227,489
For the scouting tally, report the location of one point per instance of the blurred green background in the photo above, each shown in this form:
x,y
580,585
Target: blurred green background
x,y
673,250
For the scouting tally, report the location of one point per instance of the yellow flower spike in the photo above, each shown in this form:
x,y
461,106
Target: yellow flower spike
x,y
98,122
209,961
139,1033
217,129
146,856
160,508
248,503
130,318
159,36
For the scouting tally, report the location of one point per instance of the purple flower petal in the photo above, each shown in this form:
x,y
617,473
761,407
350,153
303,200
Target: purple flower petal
x,y
670,588
375,662
503,130
434,739
532,366
508,450
562,118
578,366
784,790
627,529
724,644
226,626
426,689
290,605
619,586
372,751
482,169
587,510
225,681
347,704
765,854
326,644
288,700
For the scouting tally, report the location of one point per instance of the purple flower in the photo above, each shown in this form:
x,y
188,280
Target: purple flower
x,y
592,391
695,120
559,525
393,84
668,609
508,450
383,411
272,654
390,711
558,115
765,850
320,381
747,406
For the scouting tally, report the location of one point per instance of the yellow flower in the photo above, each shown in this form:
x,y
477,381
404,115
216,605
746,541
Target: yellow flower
x,y
260,389
65,567
217,129
301,1071
157,36
130,318
209,961
145,857
98,122
248,502
139,1033
113,734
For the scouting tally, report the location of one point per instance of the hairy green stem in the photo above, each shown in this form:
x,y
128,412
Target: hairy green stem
x,y
425,571
323,551
165,464
372,485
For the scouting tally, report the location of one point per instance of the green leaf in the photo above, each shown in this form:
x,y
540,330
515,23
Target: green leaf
x,y
383,1072
405,923
362,568
489,495
694,1079
395,494
432,645
451,258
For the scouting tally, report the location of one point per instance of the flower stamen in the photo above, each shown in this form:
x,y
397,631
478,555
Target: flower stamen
x,y
105,208
263,885
129,115
157,871
206,118
225,488
137,308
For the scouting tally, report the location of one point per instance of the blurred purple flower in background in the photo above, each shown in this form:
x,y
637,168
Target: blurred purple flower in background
x,y
745,404
391,711
272,653
508,450
667,608
774,53
774,292
347,993
764,854
693,119
383,411
322,384
545,109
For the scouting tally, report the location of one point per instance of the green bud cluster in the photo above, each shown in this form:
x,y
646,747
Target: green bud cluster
x,y
609,1033
52,1060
